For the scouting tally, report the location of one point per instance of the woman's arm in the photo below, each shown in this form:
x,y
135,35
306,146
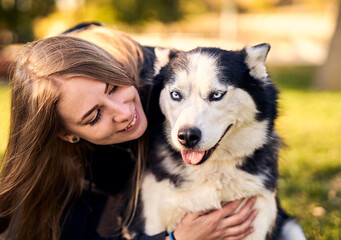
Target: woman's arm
x,y
221,224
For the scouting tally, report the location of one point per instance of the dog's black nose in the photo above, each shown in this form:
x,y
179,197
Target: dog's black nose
x,y
189,137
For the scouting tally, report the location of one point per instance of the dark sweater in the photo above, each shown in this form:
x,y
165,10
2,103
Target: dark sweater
x,y
93,215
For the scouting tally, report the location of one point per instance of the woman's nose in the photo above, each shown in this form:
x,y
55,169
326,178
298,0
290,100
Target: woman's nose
x,y
120,112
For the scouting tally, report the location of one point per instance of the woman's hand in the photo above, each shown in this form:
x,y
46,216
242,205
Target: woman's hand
x,y
221,224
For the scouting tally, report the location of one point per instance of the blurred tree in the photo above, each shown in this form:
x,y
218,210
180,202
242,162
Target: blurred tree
x,y
138,11
328,76
17,16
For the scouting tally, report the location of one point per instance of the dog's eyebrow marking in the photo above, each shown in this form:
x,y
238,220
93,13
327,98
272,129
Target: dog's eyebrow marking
x,y
181,62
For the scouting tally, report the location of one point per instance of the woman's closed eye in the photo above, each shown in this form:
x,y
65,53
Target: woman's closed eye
x,y
97,118
113,89
99,112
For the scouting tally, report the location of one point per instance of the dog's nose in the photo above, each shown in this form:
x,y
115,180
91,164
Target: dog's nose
x,y
189,137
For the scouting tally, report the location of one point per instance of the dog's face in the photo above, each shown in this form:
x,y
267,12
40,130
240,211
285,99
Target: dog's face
x,y
208,101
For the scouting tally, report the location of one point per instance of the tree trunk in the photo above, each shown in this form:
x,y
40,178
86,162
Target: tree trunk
x,y
328,76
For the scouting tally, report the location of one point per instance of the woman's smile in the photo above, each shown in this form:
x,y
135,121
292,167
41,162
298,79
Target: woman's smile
x,y
132,123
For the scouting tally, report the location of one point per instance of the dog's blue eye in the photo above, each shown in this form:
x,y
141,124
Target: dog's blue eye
x,y
175,96
216,96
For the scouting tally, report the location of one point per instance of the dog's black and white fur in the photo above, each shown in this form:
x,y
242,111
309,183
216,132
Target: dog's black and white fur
x,y
219,144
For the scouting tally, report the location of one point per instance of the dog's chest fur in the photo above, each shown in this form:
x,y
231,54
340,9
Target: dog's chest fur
x,y
208,187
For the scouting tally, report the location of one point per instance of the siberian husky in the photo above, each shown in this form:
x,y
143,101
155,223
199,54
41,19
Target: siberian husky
x,y
219,144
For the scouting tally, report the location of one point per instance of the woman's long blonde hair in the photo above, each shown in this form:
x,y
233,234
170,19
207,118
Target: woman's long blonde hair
x,y
40,173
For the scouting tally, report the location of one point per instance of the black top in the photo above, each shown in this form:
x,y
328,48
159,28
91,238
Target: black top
x,y
92,216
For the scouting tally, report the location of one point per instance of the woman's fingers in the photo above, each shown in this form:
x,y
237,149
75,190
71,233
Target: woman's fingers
x,y
229,208
219,224
242,235
242,227
225,211
244,212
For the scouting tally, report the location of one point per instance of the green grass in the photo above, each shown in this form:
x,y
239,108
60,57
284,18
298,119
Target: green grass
x,y
310,164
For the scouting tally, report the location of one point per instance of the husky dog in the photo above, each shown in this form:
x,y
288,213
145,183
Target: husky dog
x,y
219,142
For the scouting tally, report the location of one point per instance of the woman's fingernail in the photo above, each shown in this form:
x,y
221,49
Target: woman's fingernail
x,y
255,212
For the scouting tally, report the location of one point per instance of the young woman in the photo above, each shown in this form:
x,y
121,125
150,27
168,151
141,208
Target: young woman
x,y
77,146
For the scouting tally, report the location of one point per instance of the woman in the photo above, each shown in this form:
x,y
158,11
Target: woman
x,y
72,103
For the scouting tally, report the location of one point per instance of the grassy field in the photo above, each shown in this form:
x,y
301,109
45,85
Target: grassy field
x,y
310,164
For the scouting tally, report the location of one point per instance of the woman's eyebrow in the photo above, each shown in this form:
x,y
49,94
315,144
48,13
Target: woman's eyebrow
x,y
106,88
87,114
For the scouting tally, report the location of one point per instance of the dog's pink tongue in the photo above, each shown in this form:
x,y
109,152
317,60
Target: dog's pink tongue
x,y
191,156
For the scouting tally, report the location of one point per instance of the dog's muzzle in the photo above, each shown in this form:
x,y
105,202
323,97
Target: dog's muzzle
x,y
189,137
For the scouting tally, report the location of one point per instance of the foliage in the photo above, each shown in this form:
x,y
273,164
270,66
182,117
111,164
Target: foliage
x,y
18,16
120,14
137,11
310,166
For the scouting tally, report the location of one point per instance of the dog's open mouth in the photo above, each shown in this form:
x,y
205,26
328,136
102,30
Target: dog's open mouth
x,y
195,157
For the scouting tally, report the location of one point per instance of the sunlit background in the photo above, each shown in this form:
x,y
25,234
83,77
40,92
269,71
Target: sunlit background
x,y
304,61
298,30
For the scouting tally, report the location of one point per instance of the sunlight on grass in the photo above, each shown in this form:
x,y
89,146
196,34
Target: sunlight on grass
x,y
310,166
311,127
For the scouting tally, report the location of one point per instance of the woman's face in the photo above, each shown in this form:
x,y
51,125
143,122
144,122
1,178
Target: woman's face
x,y
100,113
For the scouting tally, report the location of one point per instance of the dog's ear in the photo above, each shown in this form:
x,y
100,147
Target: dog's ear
x,y
255,60
162,58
